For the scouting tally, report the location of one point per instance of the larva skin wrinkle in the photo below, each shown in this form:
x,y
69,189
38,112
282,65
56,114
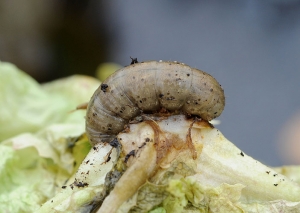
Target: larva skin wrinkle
x,y
149,87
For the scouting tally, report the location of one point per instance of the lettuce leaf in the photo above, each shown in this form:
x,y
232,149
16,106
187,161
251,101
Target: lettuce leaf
x,y
27,106
40,143
33,168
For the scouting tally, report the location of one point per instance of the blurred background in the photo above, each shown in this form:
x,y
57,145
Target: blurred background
x,y
252,47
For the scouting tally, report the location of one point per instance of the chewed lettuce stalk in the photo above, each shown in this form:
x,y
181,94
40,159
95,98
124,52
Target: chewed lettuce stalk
x,y
176,165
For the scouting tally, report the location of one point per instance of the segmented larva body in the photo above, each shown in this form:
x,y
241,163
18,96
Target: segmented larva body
x,y
148,87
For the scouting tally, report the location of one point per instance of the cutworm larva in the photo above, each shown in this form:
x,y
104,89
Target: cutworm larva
x,y
149,87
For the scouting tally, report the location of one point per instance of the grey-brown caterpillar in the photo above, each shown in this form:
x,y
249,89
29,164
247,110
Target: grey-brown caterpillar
x,y
149,87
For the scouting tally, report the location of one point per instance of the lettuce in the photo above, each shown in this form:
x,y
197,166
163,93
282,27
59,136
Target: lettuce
x,y
40,146
221,179
27,106
33,168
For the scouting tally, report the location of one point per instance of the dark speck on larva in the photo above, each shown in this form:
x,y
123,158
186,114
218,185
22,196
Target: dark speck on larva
x,y
103,87
121,98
